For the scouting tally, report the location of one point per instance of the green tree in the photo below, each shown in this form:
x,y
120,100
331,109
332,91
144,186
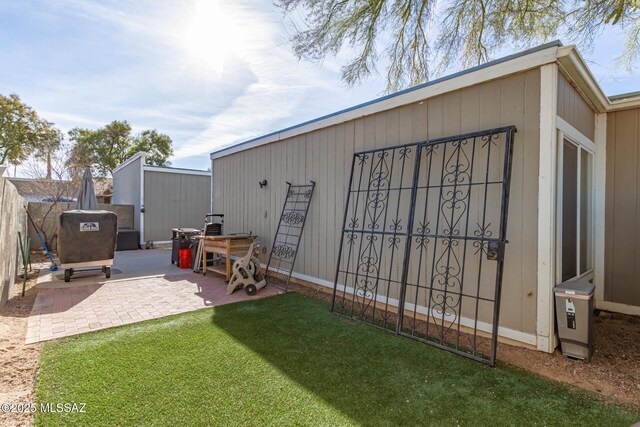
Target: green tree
x,y
107,147
156,145
23,133
415,39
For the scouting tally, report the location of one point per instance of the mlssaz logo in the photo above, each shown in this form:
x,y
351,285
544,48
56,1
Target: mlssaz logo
x,y
89,226
62,407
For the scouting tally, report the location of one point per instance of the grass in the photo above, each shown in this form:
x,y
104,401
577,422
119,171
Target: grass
x,y
287,361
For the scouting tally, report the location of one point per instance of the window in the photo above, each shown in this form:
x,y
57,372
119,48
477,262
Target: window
x,y
574,221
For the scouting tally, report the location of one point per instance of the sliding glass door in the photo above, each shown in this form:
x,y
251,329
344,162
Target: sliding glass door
x,y
574,220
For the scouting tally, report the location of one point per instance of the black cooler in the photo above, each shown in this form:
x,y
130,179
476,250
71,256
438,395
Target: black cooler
x,y
87,239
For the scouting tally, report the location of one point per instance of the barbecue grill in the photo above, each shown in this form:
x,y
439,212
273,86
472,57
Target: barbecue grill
x,y
87,240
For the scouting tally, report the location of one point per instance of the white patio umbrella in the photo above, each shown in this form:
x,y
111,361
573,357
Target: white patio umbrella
x,y
87,197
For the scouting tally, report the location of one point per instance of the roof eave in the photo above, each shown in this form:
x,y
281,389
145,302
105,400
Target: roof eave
x,y
164,169
626,101
139,154
572,65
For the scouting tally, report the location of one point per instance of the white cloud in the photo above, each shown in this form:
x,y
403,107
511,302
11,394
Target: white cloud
x,y
281,82
208,76
67,121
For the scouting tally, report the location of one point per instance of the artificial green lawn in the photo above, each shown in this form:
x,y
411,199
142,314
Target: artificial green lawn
x,y
285,360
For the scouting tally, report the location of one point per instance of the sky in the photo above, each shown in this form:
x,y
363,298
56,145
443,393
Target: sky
x,y
208,73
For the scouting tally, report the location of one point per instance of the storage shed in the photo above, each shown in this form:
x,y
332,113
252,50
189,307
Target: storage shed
x,y
572,207
163,197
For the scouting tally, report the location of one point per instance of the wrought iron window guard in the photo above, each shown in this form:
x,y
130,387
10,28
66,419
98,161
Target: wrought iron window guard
x,y
423,240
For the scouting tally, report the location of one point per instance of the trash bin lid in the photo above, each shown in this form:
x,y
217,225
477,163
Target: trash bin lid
x,y
577,287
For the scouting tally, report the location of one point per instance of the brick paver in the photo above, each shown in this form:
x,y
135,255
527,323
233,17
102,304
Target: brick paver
x,y
61,312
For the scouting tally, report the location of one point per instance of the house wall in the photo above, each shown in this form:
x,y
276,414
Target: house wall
x,y
574,109
174,200
325,156
622,217
126,188
13,219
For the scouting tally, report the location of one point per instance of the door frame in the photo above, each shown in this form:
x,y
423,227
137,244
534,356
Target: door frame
x,y
550,123
567,132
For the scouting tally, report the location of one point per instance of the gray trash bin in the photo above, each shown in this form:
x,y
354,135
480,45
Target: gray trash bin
x,y
574,313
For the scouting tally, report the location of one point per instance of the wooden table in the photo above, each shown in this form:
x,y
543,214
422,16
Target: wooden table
x,y
226,246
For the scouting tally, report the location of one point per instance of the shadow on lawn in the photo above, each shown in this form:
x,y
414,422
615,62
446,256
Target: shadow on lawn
x,y
375,378
347,365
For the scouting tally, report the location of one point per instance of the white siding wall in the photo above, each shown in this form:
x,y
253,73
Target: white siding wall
x,y
126,189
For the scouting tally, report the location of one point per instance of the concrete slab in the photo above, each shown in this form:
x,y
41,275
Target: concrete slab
x,y
144,285
127,265
64,311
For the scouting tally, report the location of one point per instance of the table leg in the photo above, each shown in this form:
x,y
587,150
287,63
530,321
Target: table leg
x,y
204,259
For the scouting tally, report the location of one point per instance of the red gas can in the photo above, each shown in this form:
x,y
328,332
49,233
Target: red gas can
x,y
185,258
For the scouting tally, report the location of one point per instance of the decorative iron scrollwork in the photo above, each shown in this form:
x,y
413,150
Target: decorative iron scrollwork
x,y
351,238
368,263
423,228
394,241
491,138
378,191
482,233
284,251
422,242
364,292
292,218
354,224
362,158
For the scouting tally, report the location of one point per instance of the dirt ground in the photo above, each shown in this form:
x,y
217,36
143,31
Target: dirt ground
x,y
18,361
614,370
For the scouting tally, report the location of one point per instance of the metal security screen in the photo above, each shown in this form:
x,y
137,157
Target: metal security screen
x,y
288,234
424,229
372,250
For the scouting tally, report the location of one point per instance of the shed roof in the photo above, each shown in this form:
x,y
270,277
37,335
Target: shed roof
x,y
142,155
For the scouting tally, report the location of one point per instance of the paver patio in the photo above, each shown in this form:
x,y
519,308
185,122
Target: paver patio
x,y
70,310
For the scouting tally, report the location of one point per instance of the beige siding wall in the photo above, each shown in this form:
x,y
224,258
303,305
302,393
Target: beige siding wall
x,y
325,156
622,230
574,109
174,200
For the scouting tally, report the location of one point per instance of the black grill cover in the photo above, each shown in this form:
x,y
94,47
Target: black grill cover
x,y
85,236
